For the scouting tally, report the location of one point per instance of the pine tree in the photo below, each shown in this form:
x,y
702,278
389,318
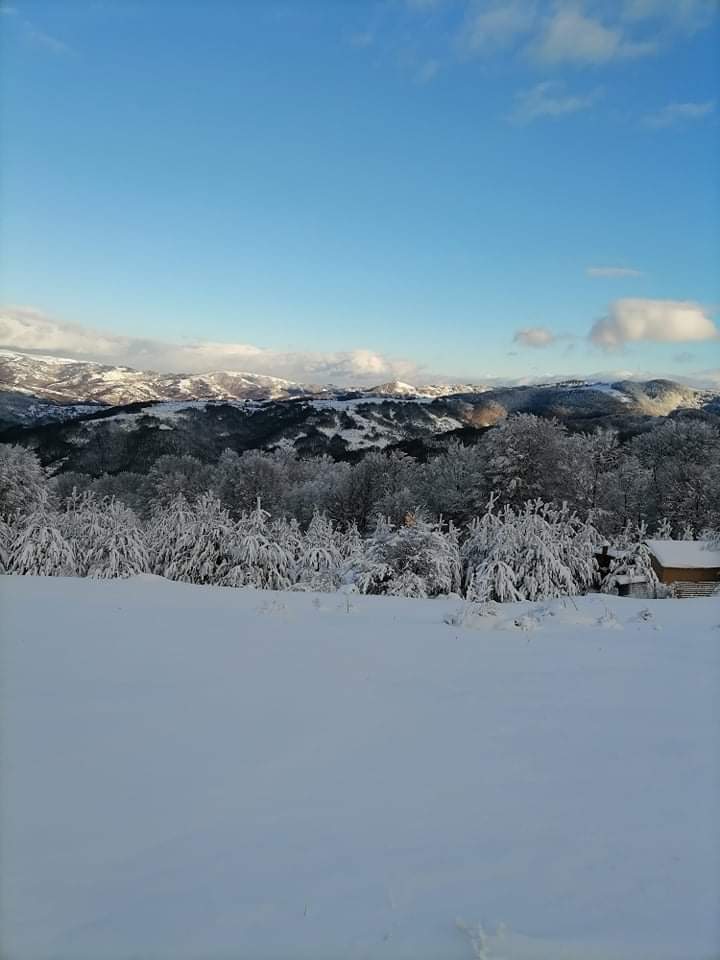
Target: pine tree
x,y
320,565
80,524
416,559
664,529
577,542
23,482
539,553
635,561
480,541
259,560
540,570
6,538
492,580
371,572
39,547
117,548
192,543
213,533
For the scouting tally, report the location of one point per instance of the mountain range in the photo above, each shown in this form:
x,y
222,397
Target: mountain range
x,y
65,381
96,418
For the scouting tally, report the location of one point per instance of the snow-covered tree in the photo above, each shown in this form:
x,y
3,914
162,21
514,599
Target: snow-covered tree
x,y
258,559
454,484
536,554
527,458
633,560
320,564
538,558
171,475
22,481
482,536
192,542
80,524
492,580
577,541
169,537
416,559
6,538
664,529
117,547
39,547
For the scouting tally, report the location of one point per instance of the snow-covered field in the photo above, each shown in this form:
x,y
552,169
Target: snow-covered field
x,y
213,773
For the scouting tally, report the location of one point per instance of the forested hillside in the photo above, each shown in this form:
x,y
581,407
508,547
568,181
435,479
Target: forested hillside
x,y
518,516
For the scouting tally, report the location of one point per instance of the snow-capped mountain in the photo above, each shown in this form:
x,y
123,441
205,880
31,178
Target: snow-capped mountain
x,y
397,388
82,381
73,412
58,380
108,439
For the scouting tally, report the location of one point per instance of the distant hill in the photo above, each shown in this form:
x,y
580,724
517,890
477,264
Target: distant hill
x,y
56,407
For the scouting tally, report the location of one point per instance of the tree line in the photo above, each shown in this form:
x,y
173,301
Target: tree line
x,y
670,471
518,517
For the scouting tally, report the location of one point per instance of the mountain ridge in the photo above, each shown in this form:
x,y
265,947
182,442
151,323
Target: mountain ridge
x,y
63,380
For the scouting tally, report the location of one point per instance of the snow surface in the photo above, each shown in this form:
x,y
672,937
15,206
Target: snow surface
x,y
689,554
210,773
607,388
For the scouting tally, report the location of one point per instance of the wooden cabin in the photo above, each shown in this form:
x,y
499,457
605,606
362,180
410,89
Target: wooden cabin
x,y
689,567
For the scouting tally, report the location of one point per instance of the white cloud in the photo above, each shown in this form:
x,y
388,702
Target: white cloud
x,y
537,337
547,99
660,321
613,272
688,16
569,36
580,32
30,330
497,26
675,113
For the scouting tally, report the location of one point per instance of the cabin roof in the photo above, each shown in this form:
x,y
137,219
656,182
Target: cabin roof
x,y
684,554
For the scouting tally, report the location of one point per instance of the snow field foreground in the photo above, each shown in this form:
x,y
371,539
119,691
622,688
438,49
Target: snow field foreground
x,y
202,772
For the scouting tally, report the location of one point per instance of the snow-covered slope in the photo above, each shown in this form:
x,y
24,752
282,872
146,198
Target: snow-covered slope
x,y
63,380
394,388
194,772
21,409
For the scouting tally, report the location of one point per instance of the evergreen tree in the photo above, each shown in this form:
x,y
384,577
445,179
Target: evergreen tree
x,y
6,538
416,559
635,562
191,542
493,580
320,565
664,529
258,559
39,547
23,483
117,547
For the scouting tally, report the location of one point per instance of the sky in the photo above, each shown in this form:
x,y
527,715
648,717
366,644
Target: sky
x,y
362,191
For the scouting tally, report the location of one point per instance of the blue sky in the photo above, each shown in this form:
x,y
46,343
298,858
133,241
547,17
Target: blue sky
x,y
356,190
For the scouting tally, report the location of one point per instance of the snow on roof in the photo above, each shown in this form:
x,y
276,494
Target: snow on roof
x,y
692,554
